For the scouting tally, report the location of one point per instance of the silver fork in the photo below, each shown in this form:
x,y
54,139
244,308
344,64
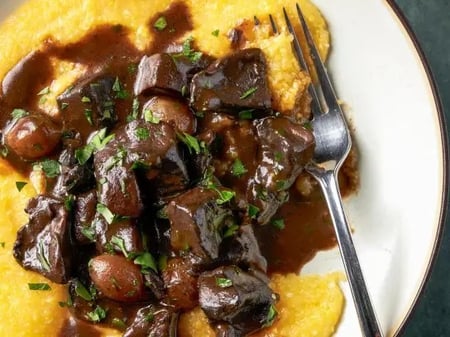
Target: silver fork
x,y
333,144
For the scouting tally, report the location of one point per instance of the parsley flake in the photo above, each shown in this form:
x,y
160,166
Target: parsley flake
x,y
160,24
39,286
117,87
252,211
191,142
97,315
278,223
248,93
150,117
271,316
225,196
146,261
215,32
98,141
81,291
107,214
246,114
142,133
223,282
119,243
20,185
238,169
193,56
51,168
19,113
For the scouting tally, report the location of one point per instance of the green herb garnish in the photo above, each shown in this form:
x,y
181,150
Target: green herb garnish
x,y
278,223
146,261
39,286
246,114
160,24
107,214
97,143
271,316
215,32
150,117
223,282
121,93
193,56
134,110
81,291
248,93
20,185
119,323
119,243
142,133
252,211
191,142
19,113
238,169
97,315
51,168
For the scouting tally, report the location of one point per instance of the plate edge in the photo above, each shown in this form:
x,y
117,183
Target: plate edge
x,y
445,156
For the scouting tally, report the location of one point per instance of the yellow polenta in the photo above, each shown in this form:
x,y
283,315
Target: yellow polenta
x,y
309,305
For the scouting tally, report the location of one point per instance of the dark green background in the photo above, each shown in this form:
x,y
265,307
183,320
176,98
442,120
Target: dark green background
x,y
430,21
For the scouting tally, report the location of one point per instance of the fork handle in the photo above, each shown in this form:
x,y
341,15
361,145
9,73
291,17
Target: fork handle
x,y
366,314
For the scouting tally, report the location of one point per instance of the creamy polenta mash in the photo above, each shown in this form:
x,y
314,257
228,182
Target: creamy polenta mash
x,y
308,305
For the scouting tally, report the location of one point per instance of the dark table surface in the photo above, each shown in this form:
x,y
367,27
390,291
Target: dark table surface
x,y
430,21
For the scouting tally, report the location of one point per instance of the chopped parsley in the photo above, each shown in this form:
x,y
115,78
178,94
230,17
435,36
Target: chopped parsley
x,y
191,54
88,115
2,244
19,113
97,142
160,24
278,156
85,99
282,185
97,315
146,261
191,142
64,105
69,201
238,169
39,286
215,32
278,223
230,230
246,114
119,323
88,232
140,165
119,243
184,90
132,67
20,185
162,262
44,91
248,93
224,196
142,133
117,159
107,214
51,168
134,110
117,87
271,316
81,291
150,117
43,260
252,211
223,282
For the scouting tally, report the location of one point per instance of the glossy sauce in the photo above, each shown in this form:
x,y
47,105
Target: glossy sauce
x,y
107,50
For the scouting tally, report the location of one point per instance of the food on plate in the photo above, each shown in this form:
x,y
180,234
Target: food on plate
x,y
158,151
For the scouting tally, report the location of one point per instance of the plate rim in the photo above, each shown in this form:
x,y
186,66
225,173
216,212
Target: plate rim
x,y
443,212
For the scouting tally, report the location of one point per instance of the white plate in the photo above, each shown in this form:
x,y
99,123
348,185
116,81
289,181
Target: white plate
x,y
397,212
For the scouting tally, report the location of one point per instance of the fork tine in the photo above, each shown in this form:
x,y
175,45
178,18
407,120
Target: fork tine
x,y
301,60
327,88
273,24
